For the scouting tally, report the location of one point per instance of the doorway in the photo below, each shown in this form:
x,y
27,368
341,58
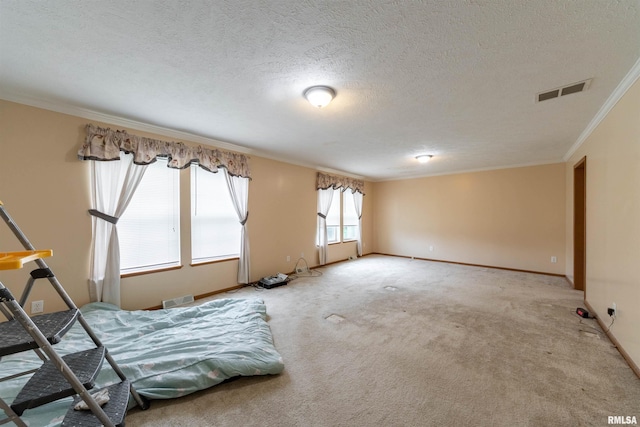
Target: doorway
x,y
580,225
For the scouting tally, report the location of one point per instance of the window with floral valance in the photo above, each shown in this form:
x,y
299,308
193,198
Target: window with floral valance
x,y
106,144
325,185
325,181
113,188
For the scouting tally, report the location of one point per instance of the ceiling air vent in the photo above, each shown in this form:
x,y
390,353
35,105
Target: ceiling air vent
x,y
548,95
562,91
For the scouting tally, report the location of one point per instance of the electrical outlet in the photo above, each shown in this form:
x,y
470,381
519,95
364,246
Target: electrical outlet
x,y
554,259
288,258
37,307
301,254
430,248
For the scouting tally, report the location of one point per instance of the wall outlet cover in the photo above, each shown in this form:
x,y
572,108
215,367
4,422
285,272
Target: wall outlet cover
x,y
37,307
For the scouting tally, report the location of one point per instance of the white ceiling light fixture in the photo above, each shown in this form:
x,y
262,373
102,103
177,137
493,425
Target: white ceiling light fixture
x,y
319,96
424,158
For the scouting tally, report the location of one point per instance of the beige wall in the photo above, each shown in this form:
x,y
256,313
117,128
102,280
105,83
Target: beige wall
x,y
511,218
45,188
514,218
613,218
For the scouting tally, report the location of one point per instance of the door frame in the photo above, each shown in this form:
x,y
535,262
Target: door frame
x,y
580,225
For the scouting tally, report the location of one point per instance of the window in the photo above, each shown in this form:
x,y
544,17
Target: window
x,y
215,228
342,216
333,219
149,229
349,217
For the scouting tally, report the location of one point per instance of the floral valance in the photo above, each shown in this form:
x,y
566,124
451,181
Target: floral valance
x,y
325,181
106,144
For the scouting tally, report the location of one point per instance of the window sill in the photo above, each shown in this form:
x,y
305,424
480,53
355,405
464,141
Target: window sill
x,y
345,241
156,270
213,261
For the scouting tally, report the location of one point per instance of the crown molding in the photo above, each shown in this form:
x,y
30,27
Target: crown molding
x,y
463,171
613,99
111,119
187,136
338,172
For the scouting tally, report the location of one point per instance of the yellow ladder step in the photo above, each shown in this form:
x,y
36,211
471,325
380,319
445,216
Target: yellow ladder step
x,y
15,260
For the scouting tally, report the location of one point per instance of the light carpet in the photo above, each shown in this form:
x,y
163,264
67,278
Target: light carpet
x,y
389,341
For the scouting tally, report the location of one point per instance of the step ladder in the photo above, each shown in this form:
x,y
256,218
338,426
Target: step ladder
x,y
59,376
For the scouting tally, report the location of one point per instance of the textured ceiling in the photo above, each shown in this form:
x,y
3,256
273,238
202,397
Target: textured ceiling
x,y
456,79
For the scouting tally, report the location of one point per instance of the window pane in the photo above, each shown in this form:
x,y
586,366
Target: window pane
x,y
149,230
349,217
332,233
215,229
333,218
349,232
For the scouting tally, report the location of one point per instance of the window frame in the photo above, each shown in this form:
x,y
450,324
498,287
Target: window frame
x,y
348,193
160,266
340,207
195,169
333,210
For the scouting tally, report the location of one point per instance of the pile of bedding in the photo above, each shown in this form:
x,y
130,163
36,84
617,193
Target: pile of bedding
x,y
165,353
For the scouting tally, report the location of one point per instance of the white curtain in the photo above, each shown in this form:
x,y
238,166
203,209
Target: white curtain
x,y
357,202
239,190
324,203
113,184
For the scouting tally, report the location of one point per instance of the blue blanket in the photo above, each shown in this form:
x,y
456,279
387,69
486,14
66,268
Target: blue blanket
x,y
165,353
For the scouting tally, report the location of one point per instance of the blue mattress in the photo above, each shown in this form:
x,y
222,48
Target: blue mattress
x,y
165,353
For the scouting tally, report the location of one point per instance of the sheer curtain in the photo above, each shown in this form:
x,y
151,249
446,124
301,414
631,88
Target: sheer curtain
x,y
357,202
324,203
239,191
113,184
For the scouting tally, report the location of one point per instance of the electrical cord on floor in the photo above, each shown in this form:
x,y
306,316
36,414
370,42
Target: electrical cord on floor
x,y
304,273
254,285
613,319
588,326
